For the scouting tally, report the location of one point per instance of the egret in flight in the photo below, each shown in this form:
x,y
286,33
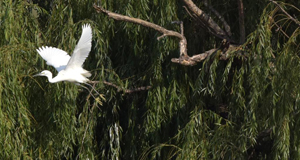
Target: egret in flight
x,y
69,68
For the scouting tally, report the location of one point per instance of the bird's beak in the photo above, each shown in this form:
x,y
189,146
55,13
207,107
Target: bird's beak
x,y
37,75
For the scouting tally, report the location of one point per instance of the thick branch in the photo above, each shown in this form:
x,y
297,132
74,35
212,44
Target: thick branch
x,y
120,17
205,18
190,61
165,32
183,59
194,59
221,18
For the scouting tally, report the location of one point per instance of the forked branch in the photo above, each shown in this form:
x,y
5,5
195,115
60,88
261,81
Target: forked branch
x,y
165,32
183,59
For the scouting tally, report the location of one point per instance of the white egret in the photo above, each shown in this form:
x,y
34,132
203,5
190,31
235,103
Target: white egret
x,y
69,68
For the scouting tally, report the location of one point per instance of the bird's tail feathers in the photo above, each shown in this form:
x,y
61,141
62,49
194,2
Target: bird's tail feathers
x,y
86,73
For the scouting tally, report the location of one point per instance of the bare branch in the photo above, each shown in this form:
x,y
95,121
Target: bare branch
x,y
120,17
201,57
183,59
165,32
221,18
194,59
205,18
190,61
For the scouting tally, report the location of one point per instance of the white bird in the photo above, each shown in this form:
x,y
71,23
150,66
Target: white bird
x,y
69,68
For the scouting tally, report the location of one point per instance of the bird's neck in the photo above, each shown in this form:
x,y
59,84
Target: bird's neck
x,y
50,79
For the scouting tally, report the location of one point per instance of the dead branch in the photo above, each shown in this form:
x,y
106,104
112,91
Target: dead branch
x,y
183,59
205,18
120,89
223,49
202,24
165,32
220,17
194,59
120,17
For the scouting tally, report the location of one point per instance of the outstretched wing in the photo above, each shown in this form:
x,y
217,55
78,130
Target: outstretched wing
x,y
54,57
82,48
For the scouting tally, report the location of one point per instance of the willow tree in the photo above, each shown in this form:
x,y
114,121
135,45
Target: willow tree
x,y
178,80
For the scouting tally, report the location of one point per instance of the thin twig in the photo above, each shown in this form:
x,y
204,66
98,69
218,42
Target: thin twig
x,y
90,93
279,28
193,16
292,18
119,89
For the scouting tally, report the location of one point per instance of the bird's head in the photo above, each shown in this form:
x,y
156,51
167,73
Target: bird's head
x,y
44,73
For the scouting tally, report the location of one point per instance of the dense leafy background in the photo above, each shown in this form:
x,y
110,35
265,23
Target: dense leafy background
x,y
246,107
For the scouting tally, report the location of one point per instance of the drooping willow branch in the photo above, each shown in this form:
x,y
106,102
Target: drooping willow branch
x,y
292,18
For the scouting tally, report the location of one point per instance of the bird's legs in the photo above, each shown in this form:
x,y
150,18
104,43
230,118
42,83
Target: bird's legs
x,y
93,88
90,91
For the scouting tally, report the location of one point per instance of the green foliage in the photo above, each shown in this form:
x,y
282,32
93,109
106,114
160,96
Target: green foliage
x,y
246,107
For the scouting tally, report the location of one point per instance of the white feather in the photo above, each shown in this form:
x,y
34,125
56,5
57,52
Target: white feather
x,y
82,48
69,68
54,57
